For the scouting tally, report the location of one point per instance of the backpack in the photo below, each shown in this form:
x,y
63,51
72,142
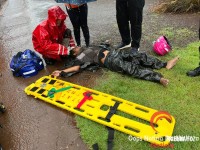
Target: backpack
x,y
26,64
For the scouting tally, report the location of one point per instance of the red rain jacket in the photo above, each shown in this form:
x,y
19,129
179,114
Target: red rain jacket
x,y
47,37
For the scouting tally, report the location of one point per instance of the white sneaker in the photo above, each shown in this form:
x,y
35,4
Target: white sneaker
x,y
122,46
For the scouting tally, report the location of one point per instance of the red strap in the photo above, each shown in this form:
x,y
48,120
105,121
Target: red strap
x,y
87,96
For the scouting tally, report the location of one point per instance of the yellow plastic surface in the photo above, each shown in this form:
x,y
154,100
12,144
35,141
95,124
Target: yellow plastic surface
x,y
135,120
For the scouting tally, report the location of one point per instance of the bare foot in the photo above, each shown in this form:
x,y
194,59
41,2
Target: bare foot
x,y
164,81
171,63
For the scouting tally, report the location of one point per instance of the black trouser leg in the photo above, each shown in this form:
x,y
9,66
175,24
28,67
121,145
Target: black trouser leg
x,y
118,64
75,20
83,23
140,72
136,16
143,59
123,20
151,62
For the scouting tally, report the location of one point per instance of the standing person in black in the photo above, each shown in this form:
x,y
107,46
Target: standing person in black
x,y
196,71
130,10
78,16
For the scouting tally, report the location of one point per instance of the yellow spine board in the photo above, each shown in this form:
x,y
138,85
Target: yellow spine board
x,y
95,109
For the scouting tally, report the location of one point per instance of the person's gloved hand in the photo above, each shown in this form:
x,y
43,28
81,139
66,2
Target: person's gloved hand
x,y
67,33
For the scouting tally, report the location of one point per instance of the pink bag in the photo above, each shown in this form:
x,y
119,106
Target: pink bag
x,y
161,46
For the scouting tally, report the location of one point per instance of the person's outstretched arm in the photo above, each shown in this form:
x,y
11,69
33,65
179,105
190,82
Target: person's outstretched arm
x,y
71,69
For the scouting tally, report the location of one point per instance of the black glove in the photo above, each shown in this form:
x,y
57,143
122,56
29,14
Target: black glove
x,y
67,33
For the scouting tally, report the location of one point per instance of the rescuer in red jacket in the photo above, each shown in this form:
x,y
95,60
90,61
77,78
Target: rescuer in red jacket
x,y
49,35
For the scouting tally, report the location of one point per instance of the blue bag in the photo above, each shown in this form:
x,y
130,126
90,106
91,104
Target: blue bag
x,y
26,64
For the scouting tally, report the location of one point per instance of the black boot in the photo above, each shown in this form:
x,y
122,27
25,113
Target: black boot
x,y
194,73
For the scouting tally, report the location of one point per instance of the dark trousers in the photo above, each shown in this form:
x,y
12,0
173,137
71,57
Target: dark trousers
x,y
130,10
78,17
138,65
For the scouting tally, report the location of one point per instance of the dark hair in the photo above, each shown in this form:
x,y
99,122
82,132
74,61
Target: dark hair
x,y
71,54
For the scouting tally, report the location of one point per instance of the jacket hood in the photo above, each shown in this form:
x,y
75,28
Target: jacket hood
x,y
55,13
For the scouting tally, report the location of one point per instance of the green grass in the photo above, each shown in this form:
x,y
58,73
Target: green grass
x,y
168,32
180,33
181,99
176,36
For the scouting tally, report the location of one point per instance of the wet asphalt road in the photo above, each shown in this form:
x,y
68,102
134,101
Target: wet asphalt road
x,y
30,124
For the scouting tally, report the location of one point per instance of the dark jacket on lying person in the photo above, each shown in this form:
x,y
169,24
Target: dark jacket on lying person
x,y
86,58
138,65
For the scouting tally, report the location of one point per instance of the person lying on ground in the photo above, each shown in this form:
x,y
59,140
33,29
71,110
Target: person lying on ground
x,y
52,38
138,65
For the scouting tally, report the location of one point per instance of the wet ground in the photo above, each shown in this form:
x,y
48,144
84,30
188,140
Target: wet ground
x,y
30,124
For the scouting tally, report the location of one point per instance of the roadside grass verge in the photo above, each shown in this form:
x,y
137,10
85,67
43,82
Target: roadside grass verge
x,y
181,98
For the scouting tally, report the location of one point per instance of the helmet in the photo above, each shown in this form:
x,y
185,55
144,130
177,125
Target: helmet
x,y
161,46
